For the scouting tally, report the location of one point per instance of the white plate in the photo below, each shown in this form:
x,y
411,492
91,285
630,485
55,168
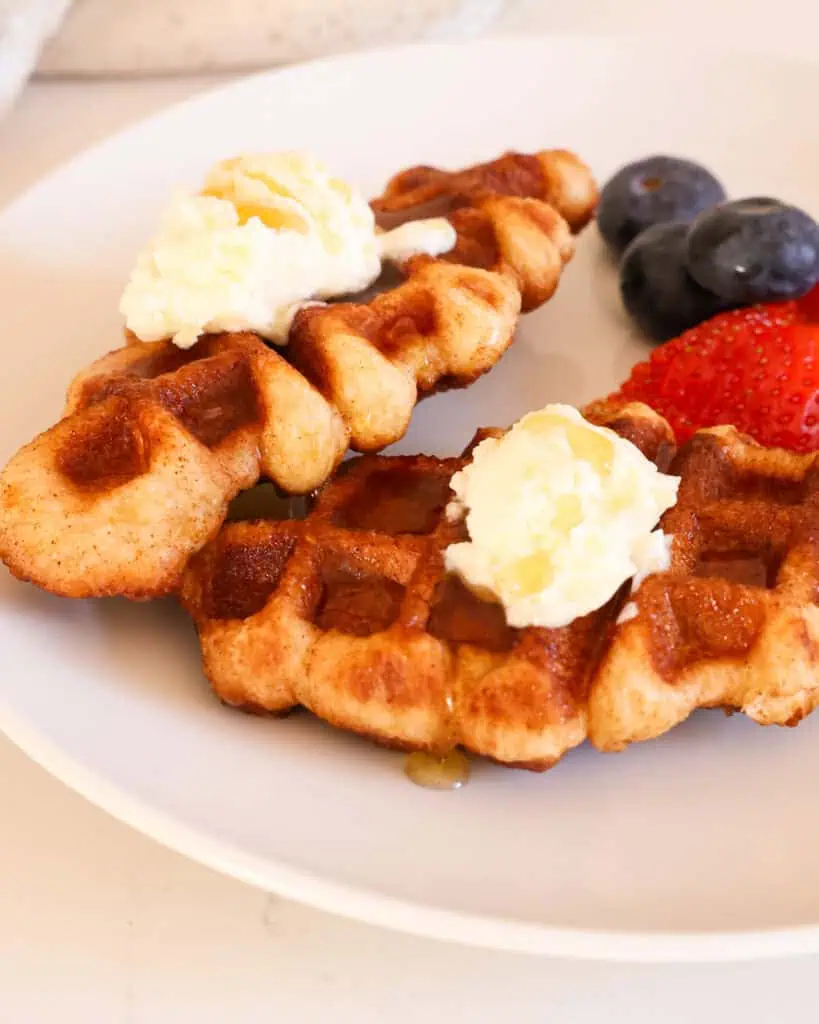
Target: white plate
x,y
701,845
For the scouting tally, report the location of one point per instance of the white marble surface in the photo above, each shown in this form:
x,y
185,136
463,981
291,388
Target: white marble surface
x,y
98,924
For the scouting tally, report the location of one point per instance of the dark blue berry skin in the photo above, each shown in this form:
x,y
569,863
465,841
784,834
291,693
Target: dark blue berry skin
x,y
754,250
657,190
657,290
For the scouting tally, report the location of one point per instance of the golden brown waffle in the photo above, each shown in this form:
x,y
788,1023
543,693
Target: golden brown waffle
x,y
350,613
555,176
734,623
137,477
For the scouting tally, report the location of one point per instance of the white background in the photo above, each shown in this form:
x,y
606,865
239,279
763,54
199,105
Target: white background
x,y
98,924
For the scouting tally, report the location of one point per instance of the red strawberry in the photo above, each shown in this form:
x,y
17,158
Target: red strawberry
x,y
809,306
755,368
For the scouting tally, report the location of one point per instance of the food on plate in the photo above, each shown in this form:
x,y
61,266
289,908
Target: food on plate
x,y
756,369
554,176
754,250
576,576
655,190
559,514
733,623
352,614
450,771
656,287
269,232
157,439
688,254
155,443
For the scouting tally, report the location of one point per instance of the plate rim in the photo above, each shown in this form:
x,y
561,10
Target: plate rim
x,y
379,909
748,50
358,902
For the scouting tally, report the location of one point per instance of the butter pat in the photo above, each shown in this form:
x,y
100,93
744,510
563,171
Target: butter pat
x,y
432,237
268,233
559,513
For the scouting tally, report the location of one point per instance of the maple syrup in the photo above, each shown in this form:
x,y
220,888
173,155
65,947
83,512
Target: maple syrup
x,y
448,772
266,501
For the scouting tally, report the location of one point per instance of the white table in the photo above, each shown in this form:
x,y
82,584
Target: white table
x,y
98,924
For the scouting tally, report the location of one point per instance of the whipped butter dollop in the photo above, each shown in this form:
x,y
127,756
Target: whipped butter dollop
x,y
268,233
560,513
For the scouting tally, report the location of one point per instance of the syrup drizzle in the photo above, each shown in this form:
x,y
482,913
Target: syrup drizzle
x,y
431,772
266,501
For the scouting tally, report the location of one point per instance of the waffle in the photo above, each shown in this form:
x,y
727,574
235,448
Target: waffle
x,y
155,442
350,613
734,622
554,176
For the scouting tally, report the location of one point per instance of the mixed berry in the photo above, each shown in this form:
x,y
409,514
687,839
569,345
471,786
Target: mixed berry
x,y
755,368
732,288
657,190
687,253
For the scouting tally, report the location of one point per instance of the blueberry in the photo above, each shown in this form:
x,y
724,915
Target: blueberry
x,y
754,250
653,191
657,290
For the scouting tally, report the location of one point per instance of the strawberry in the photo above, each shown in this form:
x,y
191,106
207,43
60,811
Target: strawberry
x,y
756,368
809,306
